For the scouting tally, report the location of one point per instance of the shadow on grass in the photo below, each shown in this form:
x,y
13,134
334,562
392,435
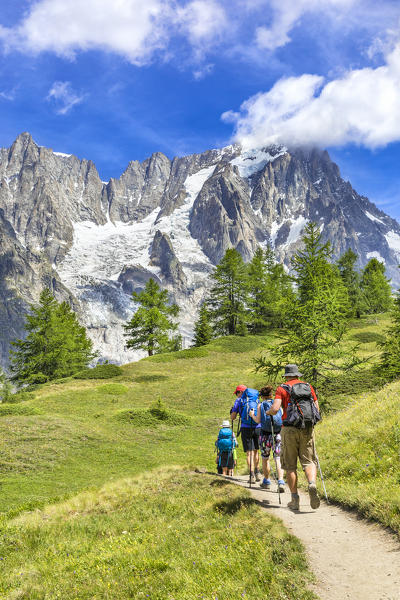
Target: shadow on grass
x,y
233,506
149,378
220,482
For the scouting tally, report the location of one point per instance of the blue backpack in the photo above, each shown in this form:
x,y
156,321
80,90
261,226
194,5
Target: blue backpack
x,y
266,419
248,401
225,441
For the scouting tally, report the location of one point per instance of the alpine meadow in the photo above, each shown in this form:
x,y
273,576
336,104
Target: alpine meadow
x,y
199,300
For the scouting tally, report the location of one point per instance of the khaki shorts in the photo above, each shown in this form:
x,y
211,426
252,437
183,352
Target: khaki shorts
x,y
297,443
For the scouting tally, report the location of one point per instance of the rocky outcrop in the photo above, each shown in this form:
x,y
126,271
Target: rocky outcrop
x,y
134,278
93,243
163,256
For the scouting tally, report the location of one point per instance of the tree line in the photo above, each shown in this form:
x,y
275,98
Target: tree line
x,y
308,310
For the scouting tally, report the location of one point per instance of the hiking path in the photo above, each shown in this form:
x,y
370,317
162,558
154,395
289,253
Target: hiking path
x,y
350,557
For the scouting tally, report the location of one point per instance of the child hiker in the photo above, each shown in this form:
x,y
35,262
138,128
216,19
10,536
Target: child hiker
x,y
226,449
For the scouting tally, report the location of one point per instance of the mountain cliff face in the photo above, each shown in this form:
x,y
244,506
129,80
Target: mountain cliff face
x,y
93,243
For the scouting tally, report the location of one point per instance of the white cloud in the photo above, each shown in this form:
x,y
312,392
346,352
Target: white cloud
x,y
287,13
134,29
362,107
64,97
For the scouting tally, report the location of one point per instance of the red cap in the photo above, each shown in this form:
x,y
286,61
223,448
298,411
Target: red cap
x,y
240,388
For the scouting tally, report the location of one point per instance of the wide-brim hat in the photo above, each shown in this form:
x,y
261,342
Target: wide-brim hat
x,y
292,371
225,423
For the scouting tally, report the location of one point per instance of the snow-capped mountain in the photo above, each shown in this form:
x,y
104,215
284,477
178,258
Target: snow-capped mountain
x,y
94,242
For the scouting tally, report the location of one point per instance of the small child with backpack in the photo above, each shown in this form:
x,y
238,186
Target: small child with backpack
x,y
267,440
226,445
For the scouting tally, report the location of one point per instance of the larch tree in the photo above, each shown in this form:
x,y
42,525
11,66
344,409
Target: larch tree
x,y
152,326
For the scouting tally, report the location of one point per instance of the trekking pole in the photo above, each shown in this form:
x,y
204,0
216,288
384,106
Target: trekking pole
x,y
320,472
274,456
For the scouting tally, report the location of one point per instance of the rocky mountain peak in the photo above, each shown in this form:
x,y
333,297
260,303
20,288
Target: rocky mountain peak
x,y
95,243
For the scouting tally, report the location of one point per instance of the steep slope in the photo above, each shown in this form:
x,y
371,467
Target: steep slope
x,y
172,220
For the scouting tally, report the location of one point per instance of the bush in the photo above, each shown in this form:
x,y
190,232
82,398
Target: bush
x,y
368,337
19,397
153,416
338,392
17,409
99,372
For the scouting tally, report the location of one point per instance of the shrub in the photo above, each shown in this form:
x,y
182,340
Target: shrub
x,y
106,371
236,343
368,337
19,397
337,393
181,354
17,409
157,414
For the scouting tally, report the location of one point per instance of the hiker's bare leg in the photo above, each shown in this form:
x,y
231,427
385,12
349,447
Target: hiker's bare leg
x,y
311,473
291,477
266,468
257,460
279,468
224,470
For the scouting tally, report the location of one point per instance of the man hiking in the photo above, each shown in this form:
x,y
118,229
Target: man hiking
x,y
300,413
246,399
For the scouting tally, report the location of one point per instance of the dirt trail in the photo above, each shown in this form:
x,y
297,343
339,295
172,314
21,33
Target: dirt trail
x,y
350,557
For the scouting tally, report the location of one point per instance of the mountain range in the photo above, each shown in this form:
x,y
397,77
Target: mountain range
x,y
94,242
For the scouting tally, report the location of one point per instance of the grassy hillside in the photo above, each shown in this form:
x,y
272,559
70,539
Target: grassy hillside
x,y
97,458
169,535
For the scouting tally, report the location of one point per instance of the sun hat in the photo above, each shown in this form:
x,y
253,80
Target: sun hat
x,y
292,371
225,423
240,388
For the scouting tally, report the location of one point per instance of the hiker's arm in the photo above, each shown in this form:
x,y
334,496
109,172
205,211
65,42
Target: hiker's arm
x,y
314,395
233,415
275,407
235,410
257,417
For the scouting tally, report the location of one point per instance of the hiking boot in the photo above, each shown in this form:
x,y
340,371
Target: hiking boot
x,y
266,484
294,504
281,486
258,476
252,478
314,498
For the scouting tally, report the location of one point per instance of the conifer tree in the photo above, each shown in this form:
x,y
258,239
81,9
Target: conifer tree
x,y
316,320
228,297
56,344
352,281
270,291
203,332
389,363
376,287
151,326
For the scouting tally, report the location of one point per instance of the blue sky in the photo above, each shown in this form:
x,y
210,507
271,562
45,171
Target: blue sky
x,y
116,81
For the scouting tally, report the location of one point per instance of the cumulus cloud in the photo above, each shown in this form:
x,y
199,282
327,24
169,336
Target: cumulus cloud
x,y
64,97
362,107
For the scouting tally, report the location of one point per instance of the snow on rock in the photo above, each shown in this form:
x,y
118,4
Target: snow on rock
x,y
375,254
99,252
393,240
295,230
252,161
62,154
372,218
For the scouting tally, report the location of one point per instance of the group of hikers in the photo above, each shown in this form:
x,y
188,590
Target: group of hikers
x,y
282,423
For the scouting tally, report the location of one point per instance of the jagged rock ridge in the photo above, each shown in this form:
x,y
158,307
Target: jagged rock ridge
x,y
93,243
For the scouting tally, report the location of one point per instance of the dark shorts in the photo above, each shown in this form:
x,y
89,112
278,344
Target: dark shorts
x,y
226,460
250,438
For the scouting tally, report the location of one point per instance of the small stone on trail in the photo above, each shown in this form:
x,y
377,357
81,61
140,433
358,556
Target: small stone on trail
x,y
200,470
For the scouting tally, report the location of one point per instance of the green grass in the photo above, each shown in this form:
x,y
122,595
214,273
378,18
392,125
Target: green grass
x,y
78,443
359,449
170,535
